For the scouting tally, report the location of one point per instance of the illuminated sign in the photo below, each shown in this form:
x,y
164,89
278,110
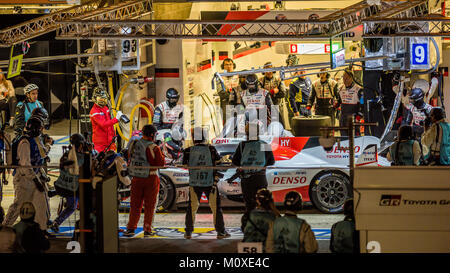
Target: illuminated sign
x,y
312,48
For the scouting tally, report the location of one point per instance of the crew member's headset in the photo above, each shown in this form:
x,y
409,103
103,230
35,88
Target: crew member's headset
x,y
228,60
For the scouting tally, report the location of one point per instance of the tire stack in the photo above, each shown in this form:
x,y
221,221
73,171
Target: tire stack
x,y
309,126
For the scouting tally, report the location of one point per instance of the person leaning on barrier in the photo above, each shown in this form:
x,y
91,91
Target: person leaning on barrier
x,y
436,138
289,233
252,152
7,236
257,225
29,236
8,99
344,237
29,184
203,181
405,151
145,183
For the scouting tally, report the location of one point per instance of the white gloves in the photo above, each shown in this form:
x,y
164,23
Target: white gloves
x,y
119,114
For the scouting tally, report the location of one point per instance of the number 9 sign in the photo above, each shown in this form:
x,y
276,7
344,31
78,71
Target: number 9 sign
x,y
419,54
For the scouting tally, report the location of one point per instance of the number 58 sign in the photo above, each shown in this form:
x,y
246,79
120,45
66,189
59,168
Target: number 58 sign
x,y
420,55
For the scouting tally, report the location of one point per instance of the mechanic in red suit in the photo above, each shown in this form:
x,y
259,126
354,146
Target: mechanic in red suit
x,y
144,153
102,124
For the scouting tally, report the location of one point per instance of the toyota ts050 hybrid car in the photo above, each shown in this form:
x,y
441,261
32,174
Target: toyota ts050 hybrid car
x,y
301,164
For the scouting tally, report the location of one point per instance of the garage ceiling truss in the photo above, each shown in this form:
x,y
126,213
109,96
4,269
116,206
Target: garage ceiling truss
x,y
324,28
88,11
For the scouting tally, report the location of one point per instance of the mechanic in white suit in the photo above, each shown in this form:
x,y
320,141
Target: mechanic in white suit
x,y
28,186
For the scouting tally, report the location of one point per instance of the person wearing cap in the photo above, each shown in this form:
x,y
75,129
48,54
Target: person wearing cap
x,y
29,236
29,183
324,96
344,237
276,88
102,125
289,233
26,107
8,99
299,91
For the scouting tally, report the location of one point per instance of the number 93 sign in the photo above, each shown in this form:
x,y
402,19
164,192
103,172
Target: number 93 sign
x,y
420,55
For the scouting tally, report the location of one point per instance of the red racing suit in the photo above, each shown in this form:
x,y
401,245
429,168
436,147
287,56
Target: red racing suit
x,y
102,128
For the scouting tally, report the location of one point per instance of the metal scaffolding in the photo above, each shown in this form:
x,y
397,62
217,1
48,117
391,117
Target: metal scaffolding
x,y
330,26
89,11
409,27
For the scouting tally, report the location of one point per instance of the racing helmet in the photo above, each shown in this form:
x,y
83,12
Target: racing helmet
x,y
99,92
293,201
33,127
27,211
172,96
251,81
30,87
416,97
77,140
42,114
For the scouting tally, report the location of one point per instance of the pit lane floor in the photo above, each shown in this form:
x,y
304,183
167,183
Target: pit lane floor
x,y
169,227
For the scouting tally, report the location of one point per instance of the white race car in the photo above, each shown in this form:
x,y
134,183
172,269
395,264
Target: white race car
x,y
302,165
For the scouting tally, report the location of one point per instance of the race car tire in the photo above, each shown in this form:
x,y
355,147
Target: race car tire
x,y
309,126
166,194
329,190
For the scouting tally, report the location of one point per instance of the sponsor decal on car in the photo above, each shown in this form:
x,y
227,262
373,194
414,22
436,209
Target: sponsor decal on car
x,y
289,180
180,174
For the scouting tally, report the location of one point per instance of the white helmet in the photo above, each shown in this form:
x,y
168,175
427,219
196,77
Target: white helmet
x,y
30,87
27,211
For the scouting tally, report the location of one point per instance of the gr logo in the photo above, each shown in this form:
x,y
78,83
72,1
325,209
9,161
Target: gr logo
x,y
390,200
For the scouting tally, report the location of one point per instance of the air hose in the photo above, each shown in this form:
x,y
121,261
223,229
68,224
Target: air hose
x,y
115,107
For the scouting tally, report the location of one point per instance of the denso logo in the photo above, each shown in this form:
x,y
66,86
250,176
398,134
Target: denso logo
x,y
344,150
289,180
221,141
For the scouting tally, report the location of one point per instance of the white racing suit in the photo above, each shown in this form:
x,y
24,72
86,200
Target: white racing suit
x,y
416,117
166,116
259,101
25,188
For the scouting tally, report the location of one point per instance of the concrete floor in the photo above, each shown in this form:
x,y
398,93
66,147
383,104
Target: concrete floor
x,y
169,226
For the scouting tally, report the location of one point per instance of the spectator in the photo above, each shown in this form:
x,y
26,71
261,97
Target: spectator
x,y
257,225
344,237
8,100
290,234
405,151
145,183
276,88
7,236
29,236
